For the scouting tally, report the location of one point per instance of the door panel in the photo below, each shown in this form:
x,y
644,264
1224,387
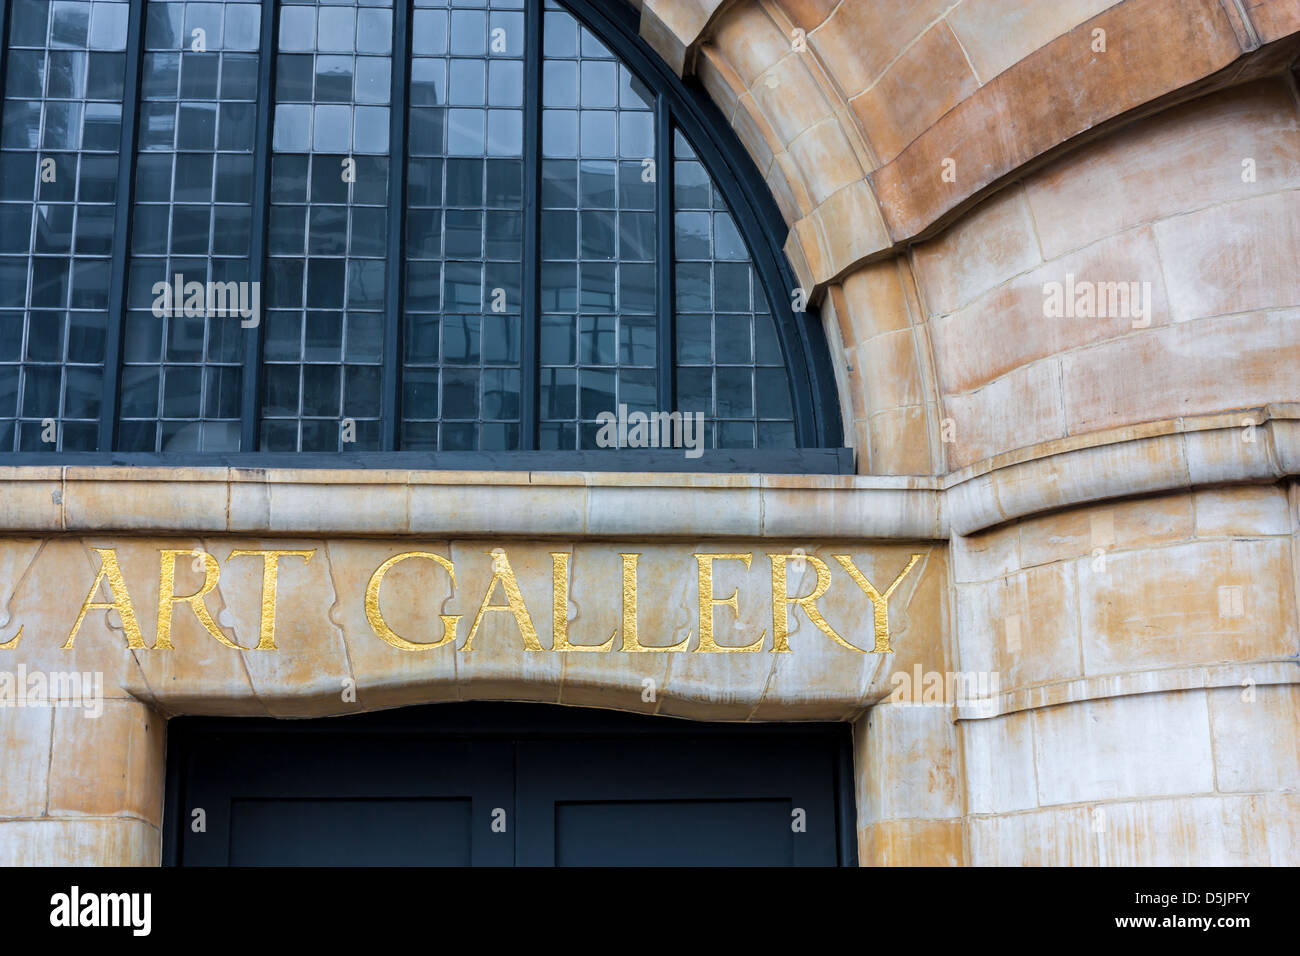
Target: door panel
x,y
287,832
674,833
676,800
322,799
500,784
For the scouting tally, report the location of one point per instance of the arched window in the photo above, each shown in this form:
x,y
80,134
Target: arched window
x,y
353,226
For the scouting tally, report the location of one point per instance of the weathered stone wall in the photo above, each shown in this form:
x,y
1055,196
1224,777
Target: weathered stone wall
x,y
1142,141
1149,707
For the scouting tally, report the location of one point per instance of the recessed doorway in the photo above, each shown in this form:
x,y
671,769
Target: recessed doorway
x,y
503,785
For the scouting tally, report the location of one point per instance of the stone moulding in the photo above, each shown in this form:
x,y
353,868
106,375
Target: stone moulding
x,y
1247,446
1262,673
675,28
1217,58
1051,101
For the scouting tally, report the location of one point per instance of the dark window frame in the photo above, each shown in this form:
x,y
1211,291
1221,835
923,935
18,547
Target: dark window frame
x,y
678,105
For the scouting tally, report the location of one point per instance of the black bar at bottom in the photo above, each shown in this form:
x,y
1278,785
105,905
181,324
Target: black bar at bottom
x,y
904,910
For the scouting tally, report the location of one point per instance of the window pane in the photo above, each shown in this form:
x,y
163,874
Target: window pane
x,y
598,338
327,237
63,97
189,292
464,228
322,306
729,361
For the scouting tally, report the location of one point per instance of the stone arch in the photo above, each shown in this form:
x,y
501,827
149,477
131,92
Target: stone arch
x,y
852,125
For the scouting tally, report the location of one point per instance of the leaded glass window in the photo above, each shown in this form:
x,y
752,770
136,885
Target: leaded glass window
x,y
598,215
424,226
327,244
64,71
729,362
463,305
192,217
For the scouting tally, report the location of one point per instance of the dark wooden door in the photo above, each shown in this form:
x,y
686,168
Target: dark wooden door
x,y
504,784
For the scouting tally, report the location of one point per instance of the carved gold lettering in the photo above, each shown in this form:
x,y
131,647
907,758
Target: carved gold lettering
x,y
110,580
270,577
879,601
110,571
167,597
631,638
560,609
505,575
708,602
376,617
781,601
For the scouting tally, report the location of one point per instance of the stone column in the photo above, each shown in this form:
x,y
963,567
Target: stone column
x,y
81,789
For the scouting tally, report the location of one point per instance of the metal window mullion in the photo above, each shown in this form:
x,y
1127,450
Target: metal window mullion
x,y
664,231
250,400
4,47
530,315
390,416
116,322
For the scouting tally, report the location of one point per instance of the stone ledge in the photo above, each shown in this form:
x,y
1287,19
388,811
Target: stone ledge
x,y
1128,684
1150,458
1154,457
372,503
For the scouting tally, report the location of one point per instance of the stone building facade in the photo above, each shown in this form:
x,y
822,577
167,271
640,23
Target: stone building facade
x,y
1055,251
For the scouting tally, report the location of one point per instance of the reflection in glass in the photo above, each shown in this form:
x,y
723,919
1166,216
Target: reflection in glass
x,y
62,116
328,227
470,198
191,222
463,294
598,338
729,361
